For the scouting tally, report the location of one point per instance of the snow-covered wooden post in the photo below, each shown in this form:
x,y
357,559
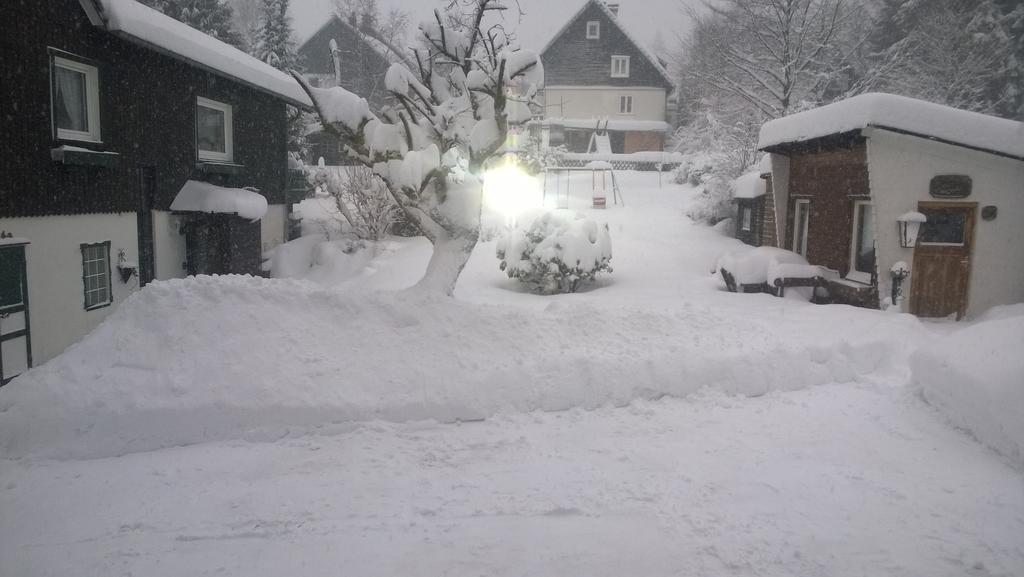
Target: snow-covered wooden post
x,y
450,116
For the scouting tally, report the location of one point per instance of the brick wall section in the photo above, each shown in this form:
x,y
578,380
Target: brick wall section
x,y
831,180
643,141
769,232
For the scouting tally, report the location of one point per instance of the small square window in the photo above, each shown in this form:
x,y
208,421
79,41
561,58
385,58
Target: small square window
x,y
593,29
214,138
620,66
625,105
75,100
96,275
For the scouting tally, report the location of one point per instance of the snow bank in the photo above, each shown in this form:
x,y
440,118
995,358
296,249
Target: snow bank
x,y
213,358
902,113
196,196
975,376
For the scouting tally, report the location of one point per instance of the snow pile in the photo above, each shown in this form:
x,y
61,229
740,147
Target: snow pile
x,y
760,265
197,196
976,377
148,27
901,113
556,253
749,185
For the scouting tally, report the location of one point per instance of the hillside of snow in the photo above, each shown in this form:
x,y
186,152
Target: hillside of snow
x,y
653,424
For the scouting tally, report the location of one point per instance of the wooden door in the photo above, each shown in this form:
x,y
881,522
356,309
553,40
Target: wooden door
x,y
942,260
15,339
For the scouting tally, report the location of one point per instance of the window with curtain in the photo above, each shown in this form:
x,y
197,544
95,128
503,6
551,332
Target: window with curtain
x,y
76,108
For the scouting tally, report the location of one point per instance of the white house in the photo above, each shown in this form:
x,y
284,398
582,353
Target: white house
x,y
597,77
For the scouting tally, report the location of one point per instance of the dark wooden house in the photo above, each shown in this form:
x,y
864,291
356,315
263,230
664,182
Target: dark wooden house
x,y
111,109
598,78
363,59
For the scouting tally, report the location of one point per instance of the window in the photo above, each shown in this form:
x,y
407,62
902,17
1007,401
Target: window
x,y
75,100
625,105
213,130
593,29
801,222
944,227
620,66
96,274
862,256
745,220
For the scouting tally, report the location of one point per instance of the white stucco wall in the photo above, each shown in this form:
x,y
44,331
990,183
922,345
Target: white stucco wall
x,y
901,168
603,102
54,266
272,227
169,246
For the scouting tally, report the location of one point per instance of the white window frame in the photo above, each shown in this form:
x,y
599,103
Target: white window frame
x,y
626,104
801,211
103,276
746,218
593,29
624,60
854,274
229,149
92,97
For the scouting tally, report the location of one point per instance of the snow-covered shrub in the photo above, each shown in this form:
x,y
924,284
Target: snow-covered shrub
x,y
374,207
556,253
535,158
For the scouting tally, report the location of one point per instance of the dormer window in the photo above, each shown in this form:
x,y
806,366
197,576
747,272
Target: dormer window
x,y
214,139
593,29
75,100
620,66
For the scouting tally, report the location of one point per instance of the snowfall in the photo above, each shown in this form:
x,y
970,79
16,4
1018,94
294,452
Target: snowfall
x,y
654,424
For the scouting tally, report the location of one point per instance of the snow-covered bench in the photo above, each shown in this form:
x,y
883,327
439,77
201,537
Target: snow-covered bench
x,y
770,270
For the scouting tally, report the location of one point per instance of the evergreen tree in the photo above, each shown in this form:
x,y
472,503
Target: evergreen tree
x,y
212,17
274,44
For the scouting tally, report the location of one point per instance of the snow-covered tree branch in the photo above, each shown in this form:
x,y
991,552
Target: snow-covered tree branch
x,y
451,115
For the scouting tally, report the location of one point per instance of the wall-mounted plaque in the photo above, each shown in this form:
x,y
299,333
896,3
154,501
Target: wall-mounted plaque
x,y
950,186
989,212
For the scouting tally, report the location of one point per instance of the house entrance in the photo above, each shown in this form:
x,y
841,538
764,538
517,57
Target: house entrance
x,y
15,340
942,260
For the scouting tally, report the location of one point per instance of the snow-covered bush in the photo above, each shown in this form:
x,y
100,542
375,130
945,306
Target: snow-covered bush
x,y
452,111
535,158
373,207
556,253
712,175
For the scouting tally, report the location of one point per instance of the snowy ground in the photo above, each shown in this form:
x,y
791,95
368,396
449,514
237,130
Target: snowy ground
x,y
654,425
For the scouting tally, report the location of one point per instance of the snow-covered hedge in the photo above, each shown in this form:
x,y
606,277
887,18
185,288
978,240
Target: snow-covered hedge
x,y
975,376
556,253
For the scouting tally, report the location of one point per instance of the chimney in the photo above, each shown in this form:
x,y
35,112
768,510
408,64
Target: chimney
x,y
613,6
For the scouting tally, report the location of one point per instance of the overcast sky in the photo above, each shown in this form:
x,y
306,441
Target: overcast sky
x,y
542,18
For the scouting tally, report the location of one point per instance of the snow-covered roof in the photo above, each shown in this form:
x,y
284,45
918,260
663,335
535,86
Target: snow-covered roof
x,y
749,185
901,114
383,49
196,196
655,61
610,124
145,26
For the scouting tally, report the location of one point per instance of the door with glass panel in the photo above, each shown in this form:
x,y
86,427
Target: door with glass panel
x,y
15,340
942,260
801,221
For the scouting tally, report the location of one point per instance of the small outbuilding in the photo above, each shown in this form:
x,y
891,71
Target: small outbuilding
x,y
755,218
911,202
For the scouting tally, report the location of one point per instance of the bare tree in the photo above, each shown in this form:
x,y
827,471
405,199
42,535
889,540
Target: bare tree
x,y
452,114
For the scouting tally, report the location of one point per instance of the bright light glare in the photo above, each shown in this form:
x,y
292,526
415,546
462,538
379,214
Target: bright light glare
x,y
511,192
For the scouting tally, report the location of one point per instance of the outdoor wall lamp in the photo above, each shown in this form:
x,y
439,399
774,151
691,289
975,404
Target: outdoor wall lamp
x,y
910,224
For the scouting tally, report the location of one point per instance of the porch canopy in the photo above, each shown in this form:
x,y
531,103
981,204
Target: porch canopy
x,y
198,196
